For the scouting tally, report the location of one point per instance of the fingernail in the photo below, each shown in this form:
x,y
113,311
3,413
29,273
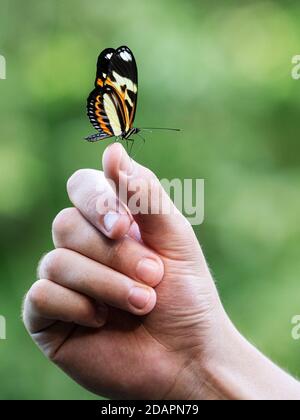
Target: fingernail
x,y
126,164
110,219
139,297
101,315
148,271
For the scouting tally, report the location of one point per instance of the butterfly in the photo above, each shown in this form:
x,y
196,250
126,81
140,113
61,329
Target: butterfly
x,y
111,106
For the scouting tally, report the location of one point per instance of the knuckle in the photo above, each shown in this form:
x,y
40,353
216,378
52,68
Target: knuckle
x,y
64,223
38,295
115,253
51,264
76,179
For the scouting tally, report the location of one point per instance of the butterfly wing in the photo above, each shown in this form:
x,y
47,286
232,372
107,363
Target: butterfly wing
x,y
122,77
95,110
111,105
103,66
96,113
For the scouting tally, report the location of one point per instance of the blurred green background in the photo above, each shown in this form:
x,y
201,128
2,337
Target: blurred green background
x,y
220,71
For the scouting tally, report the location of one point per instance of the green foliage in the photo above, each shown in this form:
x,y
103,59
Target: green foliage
x,y
220,71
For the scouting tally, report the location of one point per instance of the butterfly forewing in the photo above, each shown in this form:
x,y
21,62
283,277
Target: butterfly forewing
x,y
95,109
103,66
123,78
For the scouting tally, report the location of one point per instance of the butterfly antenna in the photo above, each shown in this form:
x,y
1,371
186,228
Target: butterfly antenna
x,y
160,128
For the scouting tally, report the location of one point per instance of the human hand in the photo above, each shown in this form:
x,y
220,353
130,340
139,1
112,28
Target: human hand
x,y
126,304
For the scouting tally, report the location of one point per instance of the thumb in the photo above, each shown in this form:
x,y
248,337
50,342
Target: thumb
x,y
162,226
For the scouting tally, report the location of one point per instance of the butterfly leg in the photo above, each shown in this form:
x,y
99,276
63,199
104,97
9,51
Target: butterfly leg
x,y
132,143
142,144
144,140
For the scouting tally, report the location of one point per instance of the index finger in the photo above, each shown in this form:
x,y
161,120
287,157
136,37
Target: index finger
x,y
90,192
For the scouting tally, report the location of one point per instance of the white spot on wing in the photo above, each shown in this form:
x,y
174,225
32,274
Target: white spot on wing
x,y
125,56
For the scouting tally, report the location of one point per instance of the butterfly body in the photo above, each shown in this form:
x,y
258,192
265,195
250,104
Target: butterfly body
x,y
111,106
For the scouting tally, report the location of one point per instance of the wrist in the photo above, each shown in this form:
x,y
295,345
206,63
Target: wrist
x,y
238,371
198,378
230,368
225,367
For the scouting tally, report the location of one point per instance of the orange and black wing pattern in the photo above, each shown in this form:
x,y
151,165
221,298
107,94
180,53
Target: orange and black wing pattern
x,y
123,78
111,106
95,109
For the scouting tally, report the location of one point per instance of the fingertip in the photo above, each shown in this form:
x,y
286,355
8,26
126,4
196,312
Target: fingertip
x,y
142,300
150,271
116,225
101,315
111,160
134,232
151,302
116,160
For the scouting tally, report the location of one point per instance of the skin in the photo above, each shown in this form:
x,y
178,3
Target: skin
x,y
126,305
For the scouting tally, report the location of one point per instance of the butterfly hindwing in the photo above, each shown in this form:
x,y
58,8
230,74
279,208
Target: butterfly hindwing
x,y
97,114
